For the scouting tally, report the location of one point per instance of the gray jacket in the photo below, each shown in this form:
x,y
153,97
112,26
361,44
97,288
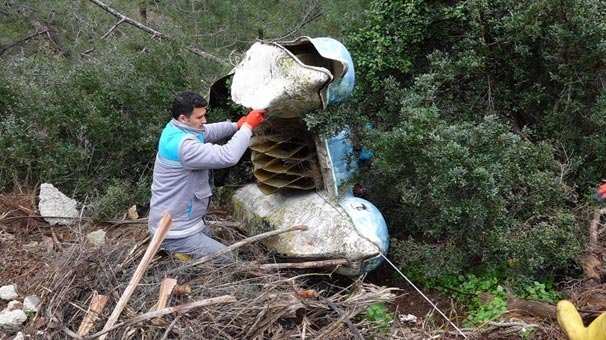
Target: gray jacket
x,y
182,181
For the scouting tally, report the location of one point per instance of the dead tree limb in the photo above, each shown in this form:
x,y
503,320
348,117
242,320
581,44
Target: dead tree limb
x,y
22,40
539,309
304,265
152,248
156,34
180,309
310,15
239,244
112,29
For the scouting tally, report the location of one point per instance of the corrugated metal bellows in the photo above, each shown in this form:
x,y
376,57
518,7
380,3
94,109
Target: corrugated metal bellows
x,y
283,161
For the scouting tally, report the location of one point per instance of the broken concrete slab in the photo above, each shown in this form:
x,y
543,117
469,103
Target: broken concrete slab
x,y
60,209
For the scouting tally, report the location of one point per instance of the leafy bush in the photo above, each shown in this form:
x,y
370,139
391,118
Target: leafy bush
x,y
484,296
378,314
92,124
486,118
475,186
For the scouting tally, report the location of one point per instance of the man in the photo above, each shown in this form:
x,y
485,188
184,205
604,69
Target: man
x,y
182,181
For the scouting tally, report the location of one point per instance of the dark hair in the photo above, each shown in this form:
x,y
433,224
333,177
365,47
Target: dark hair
x,y
185,103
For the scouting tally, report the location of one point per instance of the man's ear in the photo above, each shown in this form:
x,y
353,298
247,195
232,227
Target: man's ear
x,y
182,119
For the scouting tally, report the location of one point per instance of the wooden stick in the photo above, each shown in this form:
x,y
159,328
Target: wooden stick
x,y
97,304
180,309
152,248
239,244
304,265
166,287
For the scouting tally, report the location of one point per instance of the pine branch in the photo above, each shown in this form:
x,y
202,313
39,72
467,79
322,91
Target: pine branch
x,y
156,34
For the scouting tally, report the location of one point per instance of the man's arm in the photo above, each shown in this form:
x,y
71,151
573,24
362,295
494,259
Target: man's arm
x,y
214,132
196,155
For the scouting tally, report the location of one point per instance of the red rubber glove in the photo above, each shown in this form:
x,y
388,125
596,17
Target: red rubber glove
x,y
255,117
241,121
600,194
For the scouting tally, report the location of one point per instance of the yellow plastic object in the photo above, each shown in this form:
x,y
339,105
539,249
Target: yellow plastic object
x,y
183,257
572,324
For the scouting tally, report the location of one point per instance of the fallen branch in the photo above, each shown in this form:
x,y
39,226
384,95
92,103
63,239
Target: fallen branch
x,y
342,317
22,40
304,265
152,248
180,309
539,309
97,304
156,34
237,245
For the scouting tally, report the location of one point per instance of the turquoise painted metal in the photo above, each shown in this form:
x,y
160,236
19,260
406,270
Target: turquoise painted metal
x,y
341,87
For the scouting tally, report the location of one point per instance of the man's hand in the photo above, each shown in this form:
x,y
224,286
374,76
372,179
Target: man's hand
x,y
241,121
600,194
254,118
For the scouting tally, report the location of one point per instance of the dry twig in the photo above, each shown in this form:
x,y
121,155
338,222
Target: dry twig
x,y
154,245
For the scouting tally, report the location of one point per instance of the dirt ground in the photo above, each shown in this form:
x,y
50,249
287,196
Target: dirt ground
x,y
36,257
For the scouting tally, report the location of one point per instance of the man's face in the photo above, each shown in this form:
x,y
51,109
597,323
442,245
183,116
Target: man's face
x,y
197,118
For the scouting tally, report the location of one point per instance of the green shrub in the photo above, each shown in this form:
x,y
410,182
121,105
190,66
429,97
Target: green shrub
x,y
487,129
380,316
476,187
90,126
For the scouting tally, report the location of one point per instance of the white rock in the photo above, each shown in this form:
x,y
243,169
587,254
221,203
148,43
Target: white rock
x,y
31,303
19,336
12,320
55,203
8,292
13,305
96,237
408,318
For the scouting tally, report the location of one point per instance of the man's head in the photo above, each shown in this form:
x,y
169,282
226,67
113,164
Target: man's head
x,y
190,108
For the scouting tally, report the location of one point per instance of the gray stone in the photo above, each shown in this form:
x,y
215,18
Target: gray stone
x,y
19,336
96,237
8,292
31,303
12,320
13,305
55,203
